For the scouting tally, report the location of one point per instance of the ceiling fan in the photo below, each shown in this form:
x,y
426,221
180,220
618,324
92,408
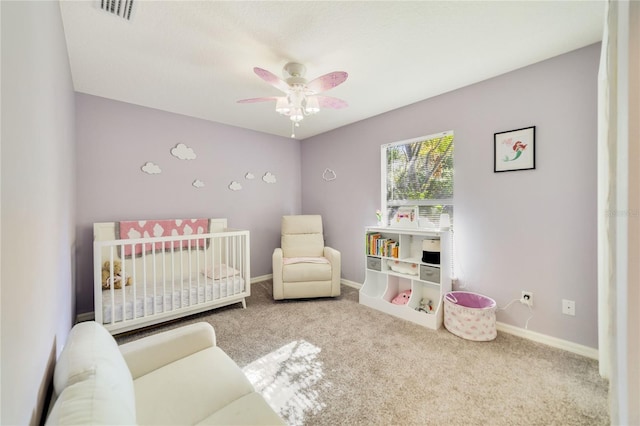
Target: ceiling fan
x,y
301,97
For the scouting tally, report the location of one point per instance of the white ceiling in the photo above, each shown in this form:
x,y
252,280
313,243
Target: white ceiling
x,y
196,57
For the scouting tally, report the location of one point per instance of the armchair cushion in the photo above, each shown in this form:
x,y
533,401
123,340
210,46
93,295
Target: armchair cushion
x,y
302,236
292,260
301,272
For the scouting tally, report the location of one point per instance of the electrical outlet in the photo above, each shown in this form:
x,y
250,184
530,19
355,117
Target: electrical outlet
x,y
568,307
527,298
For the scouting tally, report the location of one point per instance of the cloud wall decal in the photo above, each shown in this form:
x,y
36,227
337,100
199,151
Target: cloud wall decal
x,y
183,152
151,168
328,175
269,177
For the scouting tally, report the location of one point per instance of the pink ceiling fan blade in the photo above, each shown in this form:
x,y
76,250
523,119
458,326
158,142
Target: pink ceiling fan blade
x,y
272,79
327,81
254,100
331,102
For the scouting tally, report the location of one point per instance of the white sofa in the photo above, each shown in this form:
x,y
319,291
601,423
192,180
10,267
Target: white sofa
x,y
178,377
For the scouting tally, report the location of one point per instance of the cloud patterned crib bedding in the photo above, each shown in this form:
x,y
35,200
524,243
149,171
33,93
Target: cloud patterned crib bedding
x,y
147,272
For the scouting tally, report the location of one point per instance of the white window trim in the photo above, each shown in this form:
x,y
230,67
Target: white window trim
x,y
383,174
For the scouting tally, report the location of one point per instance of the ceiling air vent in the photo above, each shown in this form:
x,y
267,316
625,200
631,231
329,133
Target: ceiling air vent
x,y
122,8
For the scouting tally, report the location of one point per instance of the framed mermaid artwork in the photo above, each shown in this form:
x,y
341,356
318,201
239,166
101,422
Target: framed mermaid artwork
x,y
514,150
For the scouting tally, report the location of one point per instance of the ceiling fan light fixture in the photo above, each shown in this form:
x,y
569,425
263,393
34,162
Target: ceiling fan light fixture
x,y
296,115
300,99
282,106
312,105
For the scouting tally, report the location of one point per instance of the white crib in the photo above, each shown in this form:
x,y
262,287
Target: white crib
x,y
171,276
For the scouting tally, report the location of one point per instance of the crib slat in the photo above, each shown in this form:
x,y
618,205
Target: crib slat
x,y
198,275
112,289
123,285
144,279
206,270
134,283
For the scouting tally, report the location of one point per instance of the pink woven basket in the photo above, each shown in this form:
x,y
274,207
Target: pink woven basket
x,y
471,316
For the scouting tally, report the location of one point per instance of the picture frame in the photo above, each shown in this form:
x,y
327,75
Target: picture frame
x,y
405,217
514,150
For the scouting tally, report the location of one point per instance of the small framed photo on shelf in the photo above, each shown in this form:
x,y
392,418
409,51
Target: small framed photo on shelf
x,y
514,150
405,217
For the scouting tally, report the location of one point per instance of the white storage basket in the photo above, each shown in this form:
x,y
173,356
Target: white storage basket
x,y
471,316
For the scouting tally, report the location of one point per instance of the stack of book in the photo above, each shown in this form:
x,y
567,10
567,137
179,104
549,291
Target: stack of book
x,y
377,245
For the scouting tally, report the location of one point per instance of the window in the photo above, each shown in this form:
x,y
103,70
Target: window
x,y
418,172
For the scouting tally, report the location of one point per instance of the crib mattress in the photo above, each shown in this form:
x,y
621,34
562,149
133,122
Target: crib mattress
x,y
183,295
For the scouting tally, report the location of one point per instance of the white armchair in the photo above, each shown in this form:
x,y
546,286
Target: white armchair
x,y
303,267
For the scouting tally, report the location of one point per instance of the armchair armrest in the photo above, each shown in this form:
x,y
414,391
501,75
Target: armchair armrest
x,y
150,353
334,258
333,255
276,263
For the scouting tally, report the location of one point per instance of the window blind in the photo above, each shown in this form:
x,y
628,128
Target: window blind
x,y
419,172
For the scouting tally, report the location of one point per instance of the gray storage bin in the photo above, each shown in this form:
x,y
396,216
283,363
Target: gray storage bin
x,y
374,263
430,273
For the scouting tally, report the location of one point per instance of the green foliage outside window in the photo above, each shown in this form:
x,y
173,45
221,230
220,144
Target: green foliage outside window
x,y
420,172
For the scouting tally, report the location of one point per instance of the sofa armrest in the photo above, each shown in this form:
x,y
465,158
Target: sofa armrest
x,y
150,353
276,263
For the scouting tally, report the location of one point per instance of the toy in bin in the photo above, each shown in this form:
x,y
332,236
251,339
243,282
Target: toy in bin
x,y
431,251
426,306
402,298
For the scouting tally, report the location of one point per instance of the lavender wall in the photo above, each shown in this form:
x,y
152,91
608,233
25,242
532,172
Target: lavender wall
x,y
115,139
526,230
38,219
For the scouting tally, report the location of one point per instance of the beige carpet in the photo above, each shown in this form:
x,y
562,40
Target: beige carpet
x,y
336,362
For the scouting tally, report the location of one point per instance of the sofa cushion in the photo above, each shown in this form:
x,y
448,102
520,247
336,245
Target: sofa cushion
x,y
250,409
92,401
190,389
157,350
91,354
89,347
303,272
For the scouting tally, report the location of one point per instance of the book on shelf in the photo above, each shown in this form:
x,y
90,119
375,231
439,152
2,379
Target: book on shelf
x,y
377,245
371,243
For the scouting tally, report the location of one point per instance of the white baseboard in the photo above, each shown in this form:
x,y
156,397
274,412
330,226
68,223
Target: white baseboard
x,y
261,278
549,340
351,284
348,283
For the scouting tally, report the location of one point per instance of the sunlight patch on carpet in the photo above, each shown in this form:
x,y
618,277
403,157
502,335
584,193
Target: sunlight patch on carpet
x,y
290,379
